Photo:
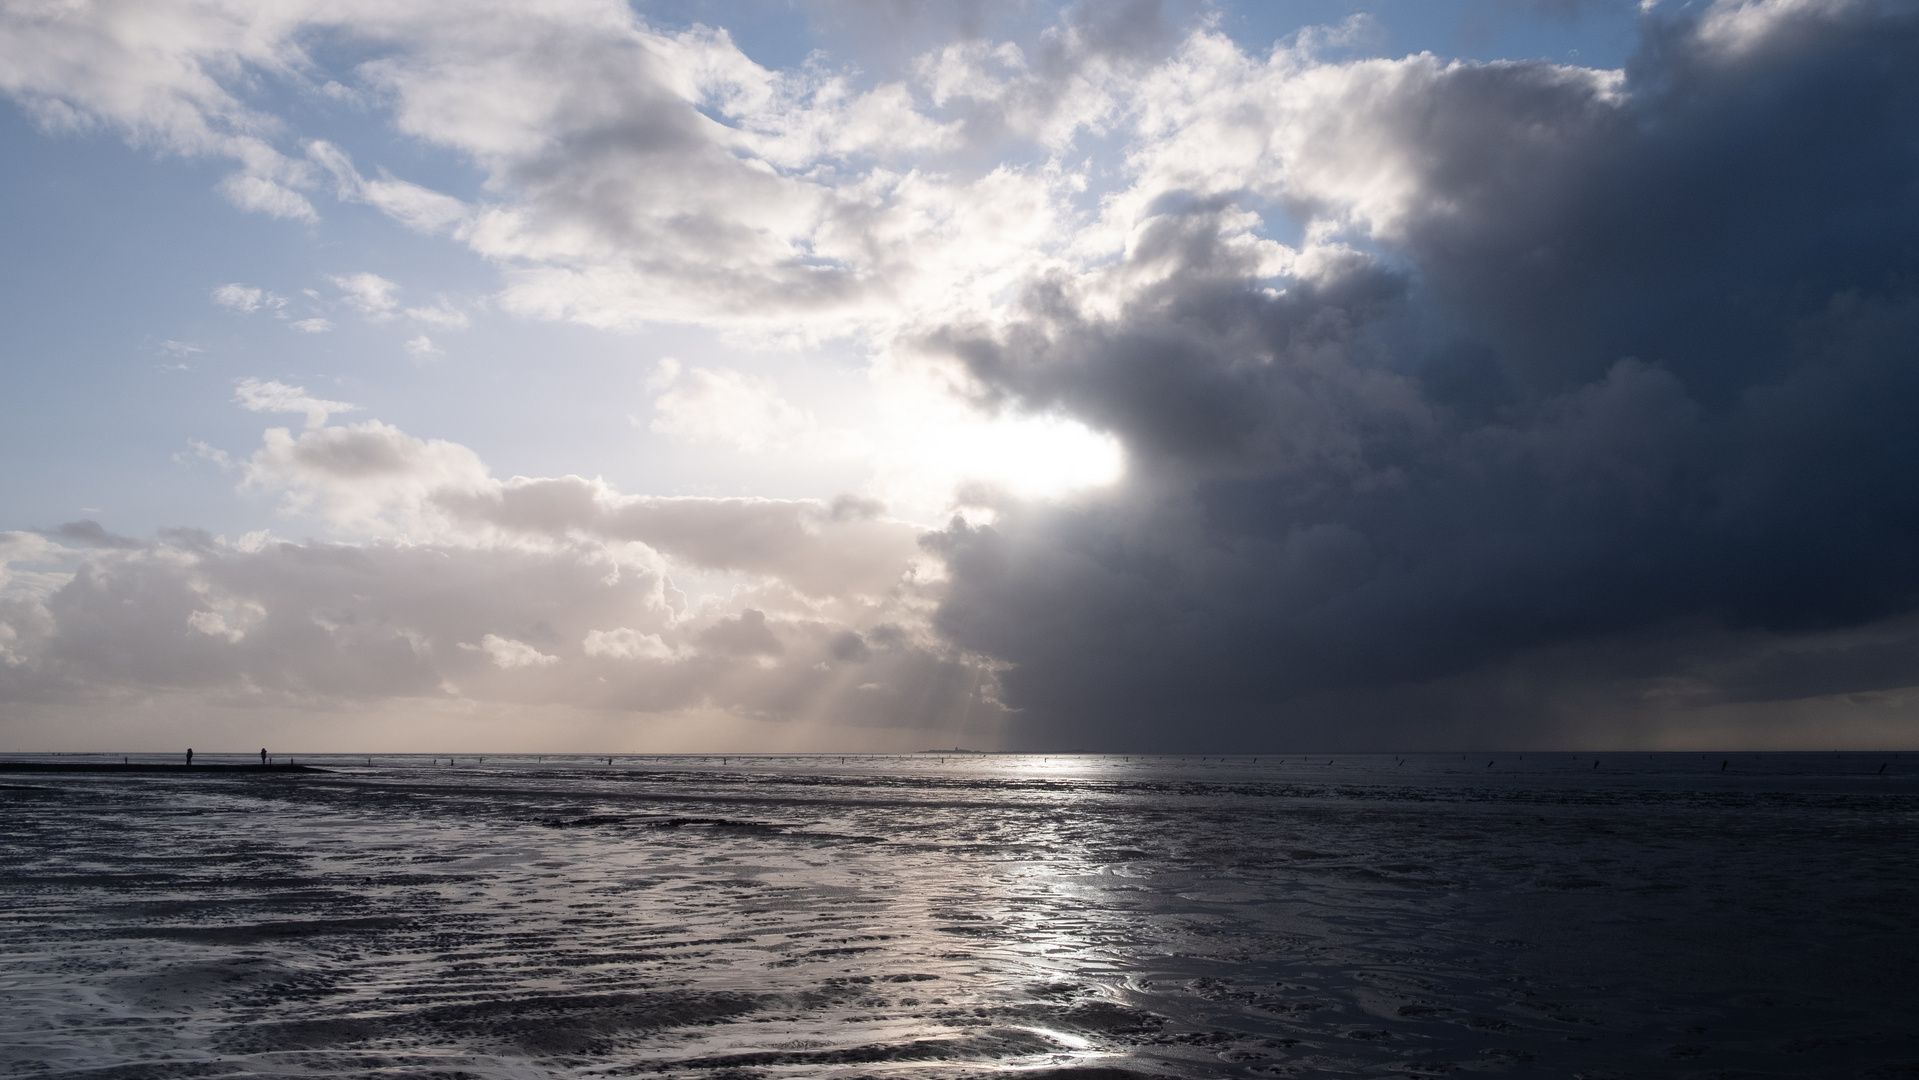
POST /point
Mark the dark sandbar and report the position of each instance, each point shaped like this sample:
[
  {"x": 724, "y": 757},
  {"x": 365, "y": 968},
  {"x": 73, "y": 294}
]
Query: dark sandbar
[{"x": 109, "y": 767}]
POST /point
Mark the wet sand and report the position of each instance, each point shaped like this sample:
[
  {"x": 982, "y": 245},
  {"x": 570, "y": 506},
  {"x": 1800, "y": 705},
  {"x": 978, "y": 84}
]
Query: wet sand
[{"x": 1661, "y": 915}]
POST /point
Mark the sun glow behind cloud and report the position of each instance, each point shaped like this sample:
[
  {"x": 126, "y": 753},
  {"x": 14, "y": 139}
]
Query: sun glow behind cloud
[
  {"x": 923, "y": 448},
  {"x": 932, "y": 451},
  {"x": 1034, "y": 457}
]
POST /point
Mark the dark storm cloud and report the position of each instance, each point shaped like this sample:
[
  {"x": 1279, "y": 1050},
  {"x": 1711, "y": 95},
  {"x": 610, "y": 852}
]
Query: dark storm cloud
[{"x": 1621, "y": 399}]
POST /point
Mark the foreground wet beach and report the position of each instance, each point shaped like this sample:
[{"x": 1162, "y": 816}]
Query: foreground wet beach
[{"x": 1659, "y": 915}]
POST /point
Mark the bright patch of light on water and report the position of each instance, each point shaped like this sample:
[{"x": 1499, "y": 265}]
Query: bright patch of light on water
[{"x": 927, "y": 917}]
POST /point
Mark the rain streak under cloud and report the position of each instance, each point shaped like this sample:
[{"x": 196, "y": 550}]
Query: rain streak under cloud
[{"x": 1122, "y": 376}]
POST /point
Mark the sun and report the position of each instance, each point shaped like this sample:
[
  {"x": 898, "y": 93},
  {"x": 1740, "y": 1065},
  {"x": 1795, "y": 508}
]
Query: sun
[
  {"x": 938, "y": 448},
  {"x": 1035, "y": 457}
]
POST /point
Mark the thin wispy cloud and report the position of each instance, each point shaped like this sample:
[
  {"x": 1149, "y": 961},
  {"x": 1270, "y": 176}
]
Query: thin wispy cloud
[
  {"x": 370, "y": 294},
  {"x": 277, "y": 397},
  {"x": 246, "y": 298}
]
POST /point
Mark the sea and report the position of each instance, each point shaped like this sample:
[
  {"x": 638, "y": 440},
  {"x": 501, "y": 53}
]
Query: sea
[{"x": 940, "y": 915}]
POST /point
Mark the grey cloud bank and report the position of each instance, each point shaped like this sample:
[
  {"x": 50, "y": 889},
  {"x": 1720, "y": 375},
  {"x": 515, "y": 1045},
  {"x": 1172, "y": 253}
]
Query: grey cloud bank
[
  {"x": 581, "y": 625},
  {"x": 1613, "y": 419}
]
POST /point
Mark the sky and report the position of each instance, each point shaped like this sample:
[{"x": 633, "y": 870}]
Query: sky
[{"x": 874, "y": 375}]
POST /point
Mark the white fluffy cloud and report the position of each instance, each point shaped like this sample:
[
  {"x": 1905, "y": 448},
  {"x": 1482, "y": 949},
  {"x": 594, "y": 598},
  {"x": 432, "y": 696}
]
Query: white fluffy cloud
[
  {"x": 646, "y": 176},
  {"x": 635, "y": 175},
  {"x": 579, "y": 625},
  {"x": 157, "y": 73},
  {"x": 553, "y": 592},
  {"x": 369, "y": 477},
  {"x": 372, "y": 479}
]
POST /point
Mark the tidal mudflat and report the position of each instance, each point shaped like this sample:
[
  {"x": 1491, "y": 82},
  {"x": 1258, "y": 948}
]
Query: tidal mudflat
[{"x": 1655, "y": 915}]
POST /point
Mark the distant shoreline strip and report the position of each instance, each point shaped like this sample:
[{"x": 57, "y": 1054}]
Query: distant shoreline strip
[{"x": 155, "y": 767}]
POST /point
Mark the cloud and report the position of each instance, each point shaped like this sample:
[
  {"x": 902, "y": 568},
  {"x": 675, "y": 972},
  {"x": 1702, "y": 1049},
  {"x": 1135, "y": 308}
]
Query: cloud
[
  {"x": 374, "y": 479},
  {"x": 277, "y": 397},
  {"x": 411, "y": 628},
  {"x": 264, "y": 196},
  {"x": 208, "y": 452},
  {"x": 440, "y": 315},
  {"x": 745, "y": 634},
  {"x": 422, "y": 347},
  {"x": 748, "y": 413},
  {"x": 728, "y": 406},
  {"x": 626, "y": 643},
  {"x": 246, "y": 298},
  {"x": 154, "y": 74},
  {"x": 1580, "y": 385},
  {"x": 93, "y": 534},
  {"x": 1077, "y": 82},
  {"x": 507, "y": 653},
  {"x": 647, "y": 177},
  {"x": 420, "y": 208},
  {"x": 370, "y": 294},
  {"x": 368, "y": 477},
  {"x": 214, "y": 624},
  {"x": 312, "y": 326}
]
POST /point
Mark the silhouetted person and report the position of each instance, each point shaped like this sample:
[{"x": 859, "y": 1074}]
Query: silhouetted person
[
  {"x": 189, "y": 757},
  {"x": 263, "y": 757}
]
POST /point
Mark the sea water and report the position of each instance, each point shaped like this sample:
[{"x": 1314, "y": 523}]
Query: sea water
[{"x": 962, "y": 915}]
